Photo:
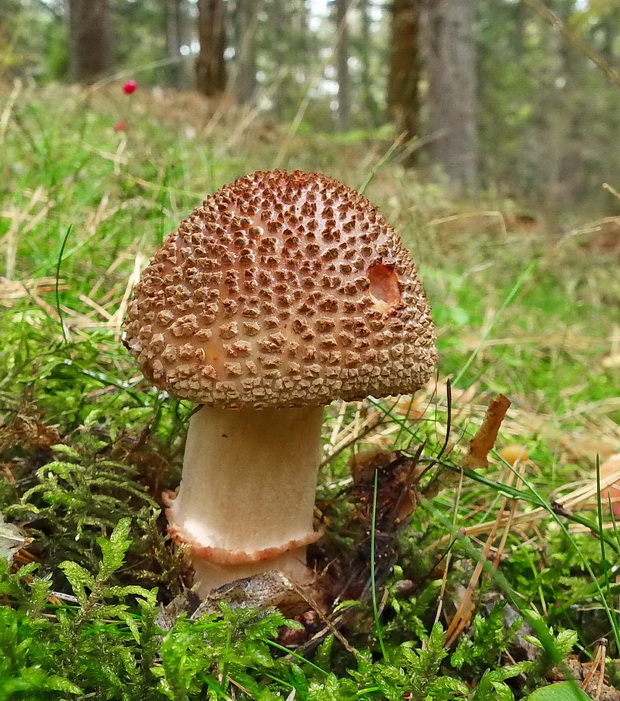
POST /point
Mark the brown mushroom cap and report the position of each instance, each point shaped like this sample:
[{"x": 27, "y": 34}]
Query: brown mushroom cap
[{"x": 281, "y": 290}]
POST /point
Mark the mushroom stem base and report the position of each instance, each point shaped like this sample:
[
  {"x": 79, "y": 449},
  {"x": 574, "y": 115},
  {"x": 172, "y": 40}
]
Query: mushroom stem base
[{"x": 209, "y": 576}]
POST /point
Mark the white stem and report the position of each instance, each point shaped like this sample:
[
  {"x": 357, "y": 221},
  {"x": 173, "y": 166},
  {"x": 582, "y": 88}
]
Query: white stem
[{"x": 247, "y": 493}]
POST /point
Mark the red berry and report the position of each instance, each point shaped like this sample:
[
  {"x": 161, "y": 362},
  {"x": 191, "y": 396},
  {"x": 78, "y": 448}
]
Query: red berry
[
  {"x": 121, "y": 126},
  {"x": 130, "y": 87}
]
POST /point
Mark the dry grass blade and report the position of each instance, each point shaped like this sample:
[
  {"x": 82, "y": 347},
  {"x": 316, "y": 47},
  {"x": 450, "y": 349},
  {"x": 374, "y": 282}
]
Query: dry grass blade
[
  {"x": 473, "y": 219},
  {"x": 572, "y": 502},
  {"x": 21, "y": 223},
  {"x": 595, "y": 678},
  {"x": 17, "y": 289},
  {"x": 97, "y": 307},
  {"x": 117, "y": 320},
  {"x": 5, "y": 119},
  {"x": 612, "y": 190},
  {"x": 352, "y": 433}
]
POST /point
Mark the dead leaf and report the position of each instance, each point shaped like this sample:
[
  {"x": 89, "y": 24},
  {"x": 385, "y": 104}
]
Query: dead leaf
[
  {"x": 483, "y": 442},
  {"x": 11, "y": 540},
  {"x": 260, "y": 591}
]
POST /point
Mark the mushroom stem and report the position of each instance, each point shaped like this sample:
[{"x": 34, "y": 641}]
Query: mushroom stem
[{"x": 246, "y": 500}]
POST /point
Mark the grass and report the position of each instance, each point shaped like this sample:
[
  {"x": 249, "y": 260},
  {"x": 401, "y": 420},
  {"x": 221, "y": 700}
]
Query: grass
[{"x": 86, "y": 446}]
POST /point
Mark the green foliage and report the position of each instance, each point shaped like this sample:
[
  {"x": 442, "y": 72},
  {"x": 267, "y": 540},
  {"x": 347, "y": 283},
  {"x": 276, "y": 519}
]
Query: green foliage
[
  {"x": 564, "y": 691},
  {"x": 236, "y": 642},
  {"x": 108, "y": 643},
  {"x": 554, "y": 648},
  {"x": 78, "y": 498},
  {"x": 409, "y": 673},
  {"x": 482, "y": 648},
  {"x": 418, "y": 672}
]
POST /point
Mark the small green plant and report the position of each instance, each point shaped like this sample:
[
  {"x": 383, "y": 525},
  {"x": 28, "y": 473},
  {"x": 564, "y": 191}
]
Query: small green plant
[
  {"x": 108, "y": 642},
  {"x": 489, "y": 638},
  {"x": 78, "y": 497}
]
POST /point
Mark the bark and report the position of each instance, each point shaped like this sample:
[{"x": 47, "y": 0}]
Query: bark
[
  {"x": 405, "y": 67},
  {"x": 451, "y": 69},
  {"x": 304, "y": 17},
  {"x": 279, "y": 30},
  {"x": 90, "y": 39},
  {"x": 342, "y": 64},
  {"x": 609, "y": 25},
  {"x": 247, "y": 22},
  {"x": 210, "y": 66},
  {"x": 173, "y": 10},
  {"x": 5, "y": 10},
  {"x": 365, "y": 53}
]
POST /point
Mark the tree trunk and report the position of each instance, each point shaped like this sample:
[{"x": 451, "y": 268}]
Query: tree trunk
[
  {"x": 609, "y": 25},
  {"x": 366, "y": 50},
  {"x": 405, "y": 68},
  {"x": 210, "y": 66},
  {"x": 5, "y": 11},
  {"x": 451, "y": 68},
  {"x": 304, "y": 18},
  {"x": 247, "y": 19},
  {"x": 90, "y": 39},
  {"x": 342, "y": 64},
  {"x": 279, "y": 30},
  {"x": 173, "y": 15}
]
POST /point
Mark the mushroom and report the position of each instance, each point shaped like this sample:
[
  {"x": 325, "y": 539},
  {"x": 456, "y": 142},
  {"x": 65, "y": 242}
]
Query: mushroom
[{"x": 279, "y": 294}]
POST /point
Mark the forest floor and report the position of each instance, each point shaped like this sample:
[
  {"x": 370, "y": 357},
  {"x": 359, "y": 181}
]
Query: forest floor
[{"x": 505, "y": 581}]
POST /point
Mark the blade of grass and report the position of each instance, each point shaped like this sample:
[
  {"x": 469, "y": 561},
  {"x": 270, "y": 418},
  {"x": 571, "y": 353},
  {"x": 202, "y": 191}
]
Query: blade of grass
[
  {"x": 599, "y": 511},
  {"x": 297, "y": 656},
  {"x": 448, "y": 419},
  {"x": 533, "y": 498},
  {"x": 394, "y": 146},
  {"x": 58, "y": 264}
]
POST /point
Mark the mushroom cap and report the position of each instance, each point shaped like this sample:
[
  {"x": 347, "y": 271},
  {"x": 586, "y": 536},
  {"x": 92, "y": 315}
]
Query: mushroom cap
[{"x": 282, "y": 289}]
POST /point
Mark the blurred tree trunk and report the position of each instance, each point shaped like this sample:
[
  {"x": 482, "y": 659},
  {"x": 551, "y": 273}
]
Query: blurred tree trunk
[
  {"x": 211, "y": 66},
  {"x": 342, "y": 63},
  {"x": 5, "y": 10},
  {"x": 90, "y": 39},
  {"x": 174, "y": 16},
  {"x": 246, "y": 24},
  {"x": 304, "y": 17},
  {"x": 278, "y": 21},
  {"x": 451, "y": 68},
  {"x": 405, "y": 68},
  {"x": 610, "y": 26},
  {"x": 366, "y": 49}
]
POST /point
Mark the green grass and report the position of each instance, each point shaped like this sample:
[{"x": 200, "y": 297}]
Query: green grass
[{"x": 86, "y": 446}]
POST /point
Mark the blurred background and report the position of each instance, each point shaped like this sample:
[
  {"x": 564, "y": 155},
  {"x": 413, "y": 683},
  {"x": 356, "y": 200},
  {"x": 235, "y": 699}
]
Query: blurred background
[{"x": 516, "y": 99}]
